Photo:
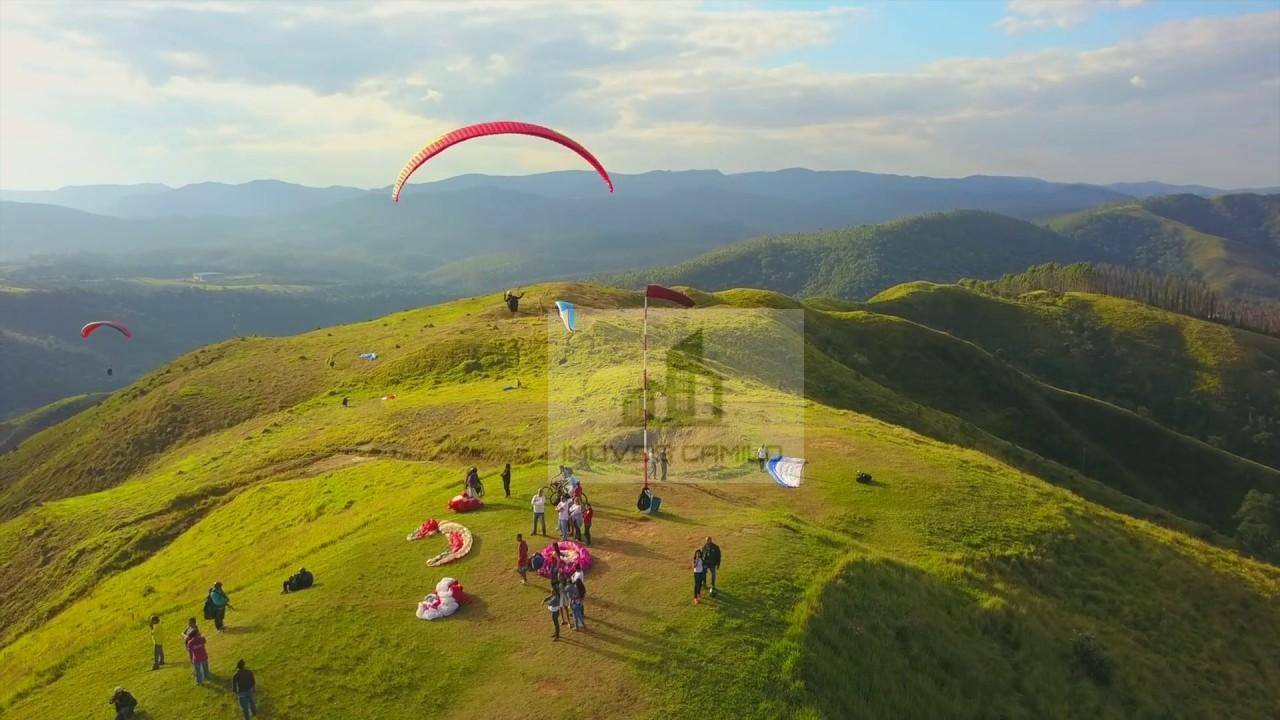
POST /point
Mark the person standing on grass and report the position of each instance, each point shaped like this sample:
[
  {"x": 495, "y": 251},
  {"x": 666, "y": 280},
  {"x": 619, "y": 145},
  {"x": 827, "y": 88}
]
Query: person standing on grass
[
  {"x": 506, "y": 479},
  {"x": 575, "y": 518},
  {"x": 552, "y": 602},
  {"x": 587, "y": 514},
  {"x": 539, "y": 504},
  {"x": 522, "y": 559},
  {"x": 242, "y": 684},
  {"x": 662, "y": 462},
  {"x": 711, "y": 559},
  {"x": 190, "y": 628},
  {"x": 575, "y": 605},
  {"x": 215, "y": 607},
  {"x": 157, "y": 657},
  {"x": 761, "y": 456},
  {"x": 199, "y": 656},
  {"x": 699, "y": 576},
  {"x": 562, "y": 516},
  {"x": 566, "y": 603}
]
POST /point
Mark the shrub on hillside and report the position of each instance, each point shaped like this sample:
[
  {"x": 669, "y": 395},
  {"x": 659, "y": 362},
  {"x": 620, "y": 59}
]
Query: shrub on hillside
[
  {"x": 1092, "y": 659},
  {"x": 1259, "y": 530}
]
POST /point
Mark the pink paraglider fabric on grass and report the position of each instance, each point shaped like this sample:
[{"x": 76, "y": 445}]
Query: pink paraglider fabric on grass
[
  {"x": 428, "y": 528},
  {"x": 465, "y": 503},
  {"x": 573, "y": 557}
]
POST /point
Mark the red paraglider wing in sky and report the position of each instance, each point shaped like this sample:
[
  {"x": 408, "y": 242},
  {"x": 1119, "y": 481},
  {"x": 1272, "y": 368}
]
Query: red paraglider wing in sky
[
  {"x": 444, "y": 142},
  {"x": 88, "y": 329}
]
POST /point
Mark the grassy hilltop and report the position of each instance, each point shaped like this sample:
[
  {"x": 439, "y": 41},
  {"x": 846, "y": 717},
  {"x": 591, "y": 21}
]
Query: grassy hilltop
[{"x": 993, "y": 570}]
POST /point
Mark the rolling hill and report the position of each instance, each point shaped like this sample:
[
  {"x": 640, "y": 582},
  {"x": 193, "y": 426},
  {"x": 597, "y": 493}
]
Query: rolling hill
[
  {"x": 1231, "y": 242},
  {"x": 860, "y": 261},
  {"x": 1216, "y": 383},
  {"x": 985, "y": 571},
  {"x": 1173, "y": 235}
]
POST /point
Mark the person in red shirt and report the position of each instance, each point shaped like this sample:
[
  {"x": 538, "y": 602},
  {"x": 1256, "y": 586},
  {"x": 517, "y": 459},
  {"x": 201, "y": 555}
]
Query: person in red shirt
[
  {"x": 522, "y": 559},
  {"x": 587, "y": 512},
  {"x": 199, "y": 656}
]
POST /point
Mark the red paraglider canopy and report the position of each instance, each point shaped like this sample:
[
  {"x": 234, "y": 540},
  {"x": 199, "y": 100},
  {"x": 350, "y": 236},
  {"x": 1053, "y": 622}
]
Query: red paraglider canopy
[
  {"x": 88, "y": 329},
  {"x": 444, "y": 142}
]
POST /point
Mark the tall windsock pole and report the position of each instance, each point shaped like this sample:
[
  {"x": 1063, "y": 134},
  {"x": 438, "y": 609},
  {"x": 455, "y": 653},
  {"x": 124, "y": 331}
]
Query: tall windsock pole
[{"x": 645, "y": 392}]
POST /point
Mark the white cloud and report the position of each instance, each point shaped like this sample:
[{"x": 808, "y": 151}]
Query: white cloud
[
  {"x": 1062, "y": 14},
  {"x": 330, "y": 94}
]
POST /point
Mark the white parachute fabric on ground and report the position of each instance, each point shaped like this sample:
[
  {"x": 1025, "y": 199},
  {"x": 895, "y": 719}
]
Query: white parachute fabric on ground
[
  {"x": 786, "y": 471},
  {"x": 440, "y": 603}
]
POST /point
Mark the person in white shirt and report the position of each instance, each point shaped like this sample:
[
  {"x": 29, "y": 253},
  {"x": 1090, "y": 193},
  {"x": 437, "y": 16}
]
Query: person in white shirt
[
  {"x": 562, "y": 514},
  {"x": 539, "y": 513},
  {"x": 575, "y": 519},
  {"x": 762, "y": 455}
]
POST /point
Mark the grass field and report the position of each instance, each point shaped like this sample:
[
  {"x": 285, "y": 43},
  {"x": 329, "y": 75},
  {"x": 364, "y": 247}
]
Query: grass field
[{"x": 955, "y": 586}]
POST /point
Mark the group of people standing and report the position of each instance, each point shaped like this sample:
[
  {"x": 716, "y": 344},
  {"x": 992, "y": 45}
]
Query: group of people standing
[
  {"x": 243, "y": 683},
  {"x": 706, "y": 561},
  {"x": 567, "y": 601}
]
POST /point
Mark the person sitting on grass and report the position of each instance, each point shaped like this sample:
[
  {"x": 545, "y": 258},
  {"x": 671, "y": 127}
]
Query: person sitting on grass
[
  {"x": 124, "y": 703},
  {"x": 300, "y": 580}
]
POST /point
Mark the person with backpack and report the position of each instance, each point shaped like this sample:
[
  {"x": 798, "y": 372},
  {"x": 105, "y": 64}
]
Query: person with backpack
[
  {"x": 522, "y": 559},
  {"x": 587, "y": 514},
  {"x": 539, "y": 504},
  {"x": 157, "y": 657},
  {"x": 242, "y": 685},
  {"x": 552, "y": 602},
  {"x": 699, "y": 576},
  {"x": 215, "y": 606},
  {"x": 124, "y": 703},
  {"x": 199, "y": 656},
  {"x": 711, "y": 559},
  {"x": 506, "y": 480}
]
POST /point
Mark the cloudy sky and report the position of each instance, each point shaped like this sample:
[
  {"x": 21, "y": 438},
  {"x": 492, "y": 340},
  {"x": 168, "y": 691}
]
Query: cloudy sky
[{"x": 343, "y": 93}]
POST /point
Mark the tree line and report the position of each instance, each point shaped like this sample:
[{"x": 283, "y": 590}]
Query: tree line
[{"x": 1180, "y": 295}]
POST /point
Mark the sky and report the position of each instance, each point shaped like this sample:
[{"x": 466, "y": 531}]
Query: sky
[{"x": 341, "y": 93}]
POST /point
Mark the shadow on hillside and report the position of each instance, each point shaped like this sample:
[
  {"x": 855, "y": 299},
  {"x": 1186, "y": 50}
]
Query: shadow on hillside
[
  {"x": 240, "y": 629},
  {"x": 887, "y": 635},
  {"x": 616, "y": 607},
  {"x": 626, "y": 547}
]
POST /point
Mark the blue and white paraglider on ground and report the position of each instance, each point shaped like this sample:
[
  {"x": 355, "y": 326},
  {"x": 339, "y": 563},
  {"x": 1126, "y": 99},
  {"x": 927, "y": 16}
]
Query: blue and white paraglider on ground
[
  {"x": 567, "y": 311},
  {"x": 786, "y": 471}
]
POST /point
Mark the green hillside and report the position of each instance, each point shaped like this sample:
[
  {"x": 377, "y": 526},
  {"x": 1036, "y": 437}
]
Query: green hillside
[
  {"x": 983, "y": 574},
  {"x": 15, "y": 430},
  {"x": 1218, "y": 384},
  {"x": 1232, "y": 242},
  {"x": 860, "y": 261}
]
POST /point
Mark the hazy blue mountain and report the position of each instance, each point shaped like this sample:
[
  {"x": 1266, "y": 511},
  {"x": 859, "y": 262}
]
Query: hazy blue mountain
[{"x": 101, "y": 199}]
